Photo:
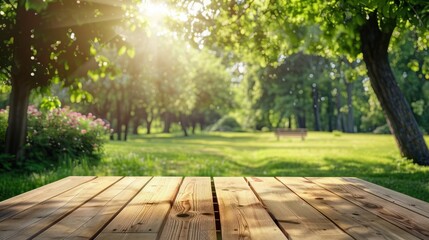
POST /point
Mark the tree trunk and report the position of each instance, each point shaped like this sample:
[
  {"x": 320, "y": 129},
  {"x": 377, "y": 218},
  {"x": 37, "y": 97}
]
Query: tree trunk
[
  {"x": 167, "y": 123},
  {"x": 148, "y": 126},
  {"x": 194, "y": 126},
  {"x": 136, "y": 125},
  {"x": 127, "y": 125},
  {"x": 330, "y": 108},
  {"x": 126, "y": 118},
  {"x": 374, "y": 44},
  {"x": 149, "y": 120},
  {"x": 17, "y": 120},
  {"x": 289, "y": 124},
  {"x": 350, "y": 116},
  {"x": 21, "y": 82},
  {"x": 316, "y": 107},
  {"x": 339, "y": 113},
  {"x": 301, "y": 120},
  {"x": 185, "y": 131},
  {"x": 119, "y": 119},
  {"x": 184, "y": 124}
]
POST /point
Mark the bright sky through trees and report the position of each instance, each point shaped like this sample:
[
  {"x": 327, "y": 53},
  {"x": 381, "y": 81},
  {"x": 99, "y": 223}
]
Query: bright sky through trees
[{"x": 155, "y": 13}]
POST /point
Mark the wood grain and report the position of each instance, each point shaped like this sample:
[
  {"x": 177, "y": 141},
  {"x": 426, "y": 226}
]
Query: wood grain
[
  {"x": 147, "y": 211},
  {"x": 17, "y": 204},
  {"x": 192, "y": 215},
  {"x": 165, "y": 208},
  {"x": 351, "y": 218},
  {"x": 38, "y": 218},
  {"x": 411, "y": 222},
  {"x": 296, "y": 217},
  {"x": 87, "y": 220},
  {"x": 242, "y": 216},
  {"x": 413, "y": 204}
]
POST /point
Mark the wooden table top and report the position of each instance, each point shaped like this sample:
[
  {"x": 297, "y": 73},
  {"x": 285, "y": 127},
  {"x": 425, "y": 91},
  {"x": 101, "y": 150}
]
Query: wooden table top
[{"x": 219, "y": 208}]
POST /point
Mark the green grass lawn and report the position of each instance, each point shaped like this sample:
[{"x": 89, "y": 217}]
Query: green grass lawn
[{"x": 371, "y": 157}]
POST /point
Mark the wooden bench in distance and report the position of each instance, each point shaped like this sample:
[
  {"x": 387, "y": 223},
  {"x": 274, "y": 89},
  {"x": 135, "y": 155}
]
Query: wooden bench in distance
[{"x": 298, "y": 132}]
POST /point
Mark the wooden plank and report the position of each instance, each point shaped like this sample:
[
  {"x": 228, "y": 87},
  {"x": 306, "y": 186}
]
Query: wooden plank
[
  {"x": 17, "y": 204},
  {"x": 192, "y": 215},
  {"x": 351, "y": 218},
  {"x": 146, "y": 212},
  {"x": 242, "y": 216},
  {"x": 413, "y": 204},
  {"x": 410, "y": 221},
  {"x": 128, "y": 236},
  {"x": 38, "y": 218},
  {"x": 296, "y": 217},
  {"x": 89, "y": 219}
]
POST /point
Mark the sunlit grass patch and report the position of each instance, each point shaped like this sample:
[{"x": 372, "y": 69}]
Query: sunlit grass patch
[{"x": 370, "y": 157}]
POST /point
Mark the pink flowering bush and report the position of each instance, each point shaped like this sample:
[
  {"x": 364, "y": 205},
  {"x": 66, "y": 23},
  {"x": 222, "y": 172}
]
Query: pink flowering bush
[{"x": 60, "y": 133}]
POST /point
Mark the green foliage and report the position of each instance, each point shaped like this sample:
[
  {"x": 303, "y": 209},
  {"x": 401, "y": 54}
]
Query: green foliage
[
  {"x": 226, "y": 124},
  {"x": 59, "y": 36},
  {"x": 409, "y": 61},
  {"x": 3, "y": 126},
  {"x": 57, "y": 134},
  {"x": 418, "y": 107},
  {"x": 169, "y": 79},
  {"x": 50, "y": 103},
  {"x": 372, "y": 113}
]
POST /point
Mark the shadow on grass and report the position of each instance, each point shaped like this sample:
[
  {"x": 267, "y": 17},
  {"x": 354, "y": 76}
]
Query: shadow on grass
[
  {"x": 205, "y": 137},
  {"x": 405, "y": 178}
]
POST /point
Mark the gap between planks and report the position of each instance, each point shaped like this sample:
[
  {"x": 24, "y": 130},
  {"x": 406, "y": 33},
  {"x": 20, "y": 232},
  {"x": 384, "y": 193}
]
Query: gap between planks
[
  {"x": 297, "y": 218},
  {"x": 192, "y": 213},
  {"x": 146, "y": 213},
  {"x": 388, "y": 195},
  {"x": 242, "y": 215}
]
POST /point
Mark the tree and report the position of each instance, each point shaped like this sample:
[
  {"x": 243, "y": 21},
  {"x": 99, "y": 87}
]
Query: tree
[
  {"x": 50, "y": 42},
  {"x": 374, "y": 44},
  {"x": 294, "y": 88},
  {"x": 213, "y": 96},
  {"x": 166, "y": 78},
  {"x": 346, "y": 27}
]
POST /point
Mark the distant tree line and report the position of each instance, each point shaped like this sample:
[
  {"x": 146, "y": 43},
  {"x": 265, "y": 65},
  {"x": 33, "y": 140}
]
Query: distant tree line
[
  {"x": 166, "y": 81},
  {"x": 323, "y": 94}
]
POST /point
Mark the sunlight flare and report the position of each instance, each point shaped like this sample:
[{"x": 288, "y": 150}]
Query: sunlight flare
[{"x": 157, "y": 12}]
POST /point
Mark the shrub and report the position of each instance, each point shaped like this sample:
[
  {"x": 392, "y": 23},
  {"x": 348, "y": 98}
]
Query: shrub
[
  {"x": 382, "y": 129},
  {"x": 58, "y": 134},
  {"x": 265, "y": 129},
  {"x": 226, "y": 124},
  {"x": 337, "y": 133}
]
